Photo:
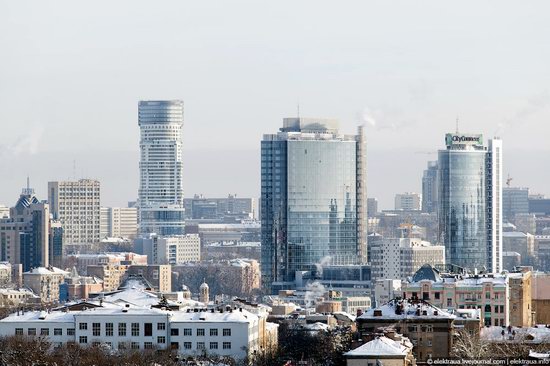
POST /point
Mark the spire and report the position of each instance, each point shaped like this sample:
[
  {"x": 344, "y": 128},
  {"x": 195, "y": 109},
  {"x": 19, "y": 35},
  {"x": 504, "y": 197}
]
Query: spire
[{"x": 457, "y": 125}]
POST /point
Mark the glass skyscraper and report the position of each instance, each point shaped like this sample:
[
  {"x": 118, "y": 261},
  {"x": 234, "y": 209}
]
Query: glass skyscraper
[
  {"x": 313, "y": 199},
  {"x": 470, "y": 202},
  {"x": 429, "y": 188},
  {"x": 161, "y": 209}
]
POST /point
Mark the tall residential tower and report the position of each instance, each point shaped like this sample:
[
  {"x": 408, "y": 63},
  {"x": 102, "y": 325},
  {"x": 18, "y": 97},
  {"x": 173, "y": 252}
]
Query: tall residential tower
[
  {"x": 313, "y": 199},
  {"x": 470, "y": 201},
  {"x": 161, "y": 209}
]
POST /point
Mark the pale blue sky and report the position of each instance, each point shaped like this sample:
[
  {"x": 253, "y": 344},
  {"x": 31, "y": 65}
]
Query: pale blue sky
[{"x": 71, "y": 74}]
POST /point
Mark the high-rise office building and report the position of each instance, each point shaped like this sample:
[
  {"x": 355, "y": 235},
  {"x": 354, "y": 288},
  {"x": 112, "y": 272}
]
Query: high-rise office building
[
  {"x": 408, "y": 201},
  {"x": 470, "y": 201},
  {"x": 313, "y": 199},
  {"x": 515, "y": 200},
  {"x": 161, "y": 208},
  {"x": 429, "y": 188},
  {"x": 76, "y": 204},
  {"x": 24, "y": 236}
]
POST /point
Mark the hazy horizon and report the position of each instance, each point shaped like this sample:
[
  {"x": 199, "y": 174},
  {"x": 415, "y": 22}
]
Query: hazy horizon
[{"x": 72, "y": 74}]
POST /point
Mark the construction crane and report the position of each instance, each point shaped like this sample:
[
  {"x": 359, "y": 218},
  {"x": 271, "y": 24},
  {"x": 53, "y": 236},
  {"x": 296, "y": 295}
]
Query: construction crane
[{"x": 508, "y": 180}]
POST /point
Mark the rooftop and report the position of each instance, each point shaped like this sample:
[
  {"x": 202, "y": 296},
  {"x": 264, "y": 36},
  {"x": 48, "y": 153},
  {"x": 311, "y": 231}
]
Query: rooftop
[
  {"x": 382, "y": 346},
  {"x": 406, "y": 309}
]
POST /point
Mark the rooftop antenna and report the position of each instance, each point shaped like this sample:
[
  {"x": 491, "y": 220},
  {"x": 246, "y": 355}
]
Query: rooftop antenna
[
  {"x": 74, "y": 169},
  {"x": 28, "y": 182}
]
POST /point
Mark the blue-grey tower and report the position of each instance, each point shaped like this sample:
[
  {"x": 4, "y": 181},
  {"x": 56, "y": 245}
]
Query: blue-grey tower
[
  {"x": 470, "y": 201},
  {"x": 313, "y": 199},
  {"x": 161, "y": 209}
]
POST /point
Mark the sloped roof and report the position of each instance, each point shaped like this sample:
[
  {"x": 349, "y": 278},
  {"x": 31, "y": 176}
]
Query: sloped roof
[
  {"x": 380, "y": 346},
  {"x": 427, "y": 272}
]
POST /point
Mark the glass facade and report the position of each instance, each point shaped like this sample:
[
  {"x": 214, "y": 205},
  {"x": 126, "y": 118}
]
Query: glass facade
[
  {"x": 312, "y": 203},
  {"x": 462, "y": 204},
  {"x": 514, "y": 201}
]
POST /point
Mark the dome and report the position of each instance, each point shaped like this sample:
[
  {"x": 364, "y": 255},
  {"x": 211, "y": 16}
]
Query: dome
[
  {"x": 426, "y": 272},
  {"x": 204, "y": 286}
]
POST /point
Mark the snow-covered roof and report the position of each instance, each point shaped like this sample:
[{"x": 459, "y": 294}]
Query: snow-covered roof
[
  {"x": 530, "y": 335},
  {"x": 539, "y": 355},
  {"x": 134, "y": 296},
  {"x": 39, "y": 316},
  {"x": 513, "y": 234},
  {"x": 406, "y": 309},
  {"x": 381, "y": 346},
  {"x": 235, "y": 316},
  {"x": 21, "y": 291},
  {"x": 47, "y": 271}
]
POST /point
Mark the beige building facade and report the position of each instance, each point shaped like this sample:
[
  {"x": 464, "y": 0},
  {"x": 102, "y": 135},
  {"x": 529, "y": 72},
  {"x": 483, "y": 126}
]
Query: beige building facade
[{"x": 76, "y": 204}]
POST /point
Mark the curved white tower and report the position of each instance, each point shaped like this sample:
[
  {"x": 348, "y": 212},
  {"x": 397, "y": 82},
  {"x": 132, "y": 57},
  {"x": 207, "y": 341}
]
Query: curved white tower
[{"x": 161, "y": 167}]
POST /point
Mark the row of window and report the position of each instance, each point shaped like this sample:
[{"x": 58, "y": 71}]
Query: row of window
[
  {"x": 122, "y": 330},
  {"x": 148, "y": 330},
  {"x": 44, "y": 331}
]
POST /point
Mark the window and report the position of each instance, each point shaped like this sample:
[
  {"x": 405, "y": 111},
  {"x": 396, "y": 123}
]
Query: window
[
  {"x": 148, "y": 329},
  {"x": 161, "y": 339},
  {"x": 134, "y": 345},
  {"x": 449, "y": 302},
  {"x": 121, "y": 345},
  {"x": 200, "y": 332},
  {"x": 95, "y": 344},
  {"x": 429, "y": 328},
  {"x": 18, "y": 331},
  {"x": 187, "y": 332},
  {"x": 436, "y": 294},
  {"x": 226, "y": 345},
  {"x": 213, "y": 332},
  {"x": 148, "y": 345},
  {"x": 70, "y": 331},
  {"x": 83, "y": 326},
  {"x": 227, "y": 332},
  {"x": 174, "y": 345},
  {"x": 201, "y": 345},
  {"x": 96, "y": 329},
  {"x": 213, "y": 345},
  {"x": 429, "y": 343},
  {"x": 57, "y": 331},
  {"x": 187, "y": 345},
  {"x": 122, "y": 329},
  {"x": 175, "y": 332},
  {"x": 83, "y": 339},
  {"x": 45, "y": 332},
  {"x": 161, "y": 326},
  {"x": 135, "y": 329},
  {"x": 109, "y": 329}
]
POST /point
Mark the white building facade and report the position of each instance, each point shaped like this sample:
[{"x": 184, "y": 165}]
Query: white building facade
[
  {"x": 161, "y": 208},
  {"x": 399, "y": 258},
  {"x": 226, "y": 332}
]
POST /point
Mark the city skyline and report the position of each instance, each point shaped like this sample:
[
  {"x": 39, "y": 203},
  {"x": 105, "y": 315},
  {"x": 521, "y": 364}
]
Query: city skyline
[{"x": 405, "y": 81}]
